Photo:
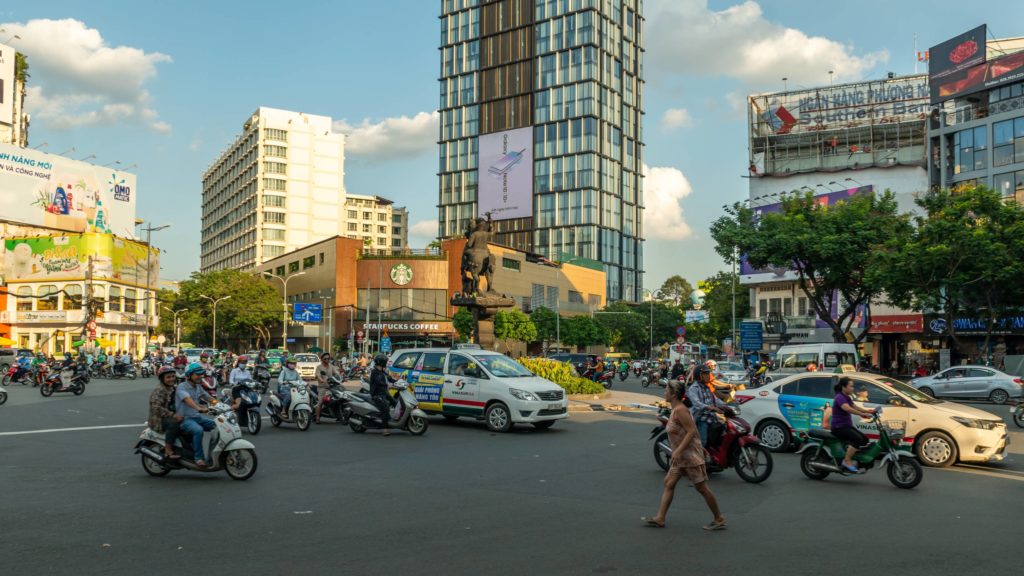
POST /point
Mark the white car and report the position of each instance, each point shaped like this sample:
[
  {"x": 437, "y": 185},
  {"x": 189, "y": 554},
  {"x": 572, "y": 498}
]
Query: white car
[
  {"x": 305, "y": 365},
  {"x": 940, "y": 433},
  {"x": 468, "y": 381},
  {"x": 732, "y": 372}
]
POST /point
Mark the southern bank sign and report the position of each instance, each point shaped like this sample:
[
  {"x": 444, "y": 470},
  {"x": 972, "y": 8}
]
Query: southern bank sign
[{"x": 964, "y": 325}]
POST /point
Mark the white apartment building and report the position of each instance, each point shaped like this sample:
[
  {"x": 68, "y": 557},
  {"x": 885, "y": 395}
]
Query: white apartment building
[
  {"x": 382, "y": 226},
  {"x": 278, "y": 187}
]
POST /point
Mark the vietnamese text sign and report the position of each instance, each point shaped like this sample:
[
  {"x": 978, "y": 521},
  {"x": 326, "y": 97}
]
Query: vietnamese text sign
[
  {"x": 307, "y": 312},
  {"x": 506, "y": 174},
  {"x": 751, "y": 335}
]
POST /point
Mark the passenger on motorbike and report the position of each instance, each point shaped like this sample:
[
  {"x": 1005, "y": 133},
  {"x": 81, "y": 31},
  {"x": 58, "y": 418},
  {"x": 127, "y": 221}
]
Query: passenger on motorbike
[
  {"x": 842, "y": 426},
  {"x": 324, "y": 372},
  {"x": 211, "y": 383},
  {"x": 705, "y": 406},
  {"x": 239, "y": 373},
  {"x": 162, "y": 416},
  {"x": 24, "y": 365},
  {"x": 379, "y": 382},
  {"x": 284, "y": 379},
  {"x": 187, "y": 405}
]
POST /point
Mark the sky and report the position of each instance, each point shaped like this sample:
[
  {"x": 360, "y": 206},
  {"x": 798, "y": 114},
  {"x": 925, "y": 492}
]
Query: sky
[{"x": 167, "y": 86}]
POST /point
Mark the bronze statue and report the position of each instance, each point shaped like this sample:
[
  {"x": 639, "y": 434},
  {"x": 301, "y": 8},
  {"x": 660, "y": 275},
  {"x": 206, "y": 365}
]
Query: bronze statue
[{"x": 476, "y": 258}]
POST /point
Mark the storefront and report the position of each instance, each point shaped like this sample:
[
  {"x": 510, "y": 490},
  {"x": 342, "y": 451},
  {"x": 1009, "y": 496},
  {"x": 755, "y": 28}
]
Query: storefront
[
  {"x": 898, "y": 337},
  {"x": 1006, "y": 338}
]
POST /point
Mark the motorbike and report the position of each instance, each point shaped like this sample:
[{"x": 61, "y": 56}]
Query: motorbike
[
  {"x": 622, "y": 375},
  {"x": 179, "y": 373},
  {"x": 638, "y": 371},
  {"x": 71, "y": 379},
  {"x": 822, "y": 454},
  {"x": 122, "y": 370},
  {"x": 225, "y": 449},
  {"x": 355, "y": 372},
  {"x": 3, "y": 395},
  {"x": 361, "y": 414},
  {"x": 738, "y": 448},
  {"x": 1017, "y": 411},
  {"x": 146, "y": 369},
  {"x": 333, "y": 400},
  {"x": 299, "y": 410},
  {"x": 251, "y": 402},
  {"x": 9, "y": 378},
  {"x": 262, "y": 376}
]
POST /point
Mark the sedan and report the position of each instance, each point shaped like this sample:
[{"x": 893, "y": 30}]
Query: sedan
[
  {"x": 732, "y": 372},
  {"x": 305, "y": 365},
  {"x": 963, "y": 382}
]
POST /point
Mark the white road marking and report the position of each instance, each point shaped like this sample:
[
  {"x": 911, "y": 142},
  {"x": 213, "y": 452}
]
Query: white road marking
[{"x": 52, "y": 430}]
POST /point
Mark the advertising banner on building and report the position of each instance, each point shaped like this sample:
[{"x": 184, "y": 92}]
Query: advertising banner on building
[
  {"x": 61, "y": 258},
  {"x": 506, "y": 174},
  {"x": 958, "y": 53},
  {"x": 897, "y": 324},
  {"x": 6, "y": 84},
  {"x": 42, "y": 189},
  {"x": 985, "y": 76}
]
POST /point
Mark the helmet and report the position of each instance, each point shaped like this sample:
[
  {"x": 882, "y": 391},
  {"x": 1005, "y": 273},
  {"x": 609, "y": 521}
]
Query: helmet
[
  {"x": 243, "y": 359},
  {"x": 67, "y": 354},
  {"x": 712, "y": 365},
  {"x": 194, "y": 368},
  {"x": 289, "y": 360},
  {"x": 164, "y": 370},
  {"x": 380, "y": 360},
  {"x": 705, "y": 369},
  {"x": 204, "y": 355}
]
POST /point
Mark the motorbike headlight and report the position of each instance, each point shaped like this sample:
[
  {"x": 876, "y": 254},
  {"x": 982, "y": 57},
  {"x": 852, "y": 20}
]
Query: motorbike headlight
[
  {"x": 976, "y": 423},
  {"x": 232, "y": 419},
  {"x": 523, "y": 395}
]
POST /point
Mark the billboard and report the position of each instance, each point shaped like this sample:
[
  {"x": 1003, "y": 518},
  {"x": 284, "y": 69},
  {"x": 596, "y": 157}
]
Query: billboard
[
  {"x": 506, "y": 174},
  {"x": 60, "y": 258},
  {"x": 752, "y": 275},
  {"x": 42, "y": 189},
  {"x": 958, "y": 53},
  {"x": 887, "y": 101},
  {"x": 6, "y": 84},
  {"x": 992, "y": 74}
]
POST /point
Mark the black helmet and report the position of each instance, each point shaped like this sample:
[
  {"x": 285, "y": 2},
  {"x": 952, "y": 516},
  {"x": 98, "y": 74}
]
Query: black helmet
[
  {"x": 704, "y": 369},
  {"x": 380, "y": 360}
]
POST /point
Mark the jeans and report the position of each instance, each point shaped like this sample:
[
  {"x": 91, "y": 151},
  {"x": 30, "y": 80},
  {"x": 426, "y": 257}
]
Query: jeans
[
  {"x": 702, "y": 430},
  {"x": 195, "y": 426},
  {"x": 172, "y": 429},
  {"x": 286, "y": 400},
  {"x": 383, "y": 403}
]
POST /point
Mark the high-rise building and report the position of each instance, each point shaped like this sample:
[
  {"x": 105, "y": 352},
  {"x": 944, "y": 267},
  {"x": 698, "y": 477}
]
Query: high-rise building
[
  {"x": 382, "y": 226},
  {"x": 278, "y": 187},
  {"x": 541, "y": 111},
  {"x": 13, "y": 86}
]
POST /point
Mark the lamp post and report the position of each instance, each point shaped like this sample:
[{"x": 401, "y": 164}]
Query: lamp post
[
  {"x": 149, "y": 265},
  {"x": 177, "y": 327},
  {"x": 284, "y": 301},
  {"x": 215, "y": 301}
]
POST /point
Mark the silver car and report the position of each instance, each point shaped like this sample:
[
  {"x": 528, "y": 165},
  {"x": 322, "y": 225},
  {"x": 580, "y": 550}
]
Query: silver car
[
  {"x": 971, "y": 382},
  {"x": 732, "y": 372}
]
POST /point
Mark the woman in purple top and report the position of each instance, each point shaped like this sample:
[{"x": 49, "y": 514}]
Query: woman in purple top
[{"x": 843, "y": 410}]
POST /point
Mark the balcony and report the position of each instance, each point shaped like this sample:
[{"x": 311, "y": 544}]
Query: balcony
[{"x": 406, "y": 253}]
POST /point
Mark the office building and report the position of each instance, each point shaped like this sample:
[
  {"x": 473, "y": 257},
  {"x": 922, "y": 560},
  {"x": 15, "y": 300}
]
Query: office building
[
  {"x": 13, "y": 86},
  {"x": 541, "y": 111},
  {"x": 377, "y": 222}
]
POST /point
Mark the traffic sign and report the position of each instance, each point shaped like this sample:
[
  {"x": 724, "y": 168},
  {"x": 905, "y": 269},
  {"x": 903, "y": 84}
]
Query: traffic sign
[
  {"x": 307, "y": 312},
  {"x": 751, "y": 335},
  {"x": 681, "y": 331},
  {"x": 359, "y": 336},
  {"x": 680, "y": 339},
  {"x": 92, "y": 325},
  {"x": 385, "y": 344}
]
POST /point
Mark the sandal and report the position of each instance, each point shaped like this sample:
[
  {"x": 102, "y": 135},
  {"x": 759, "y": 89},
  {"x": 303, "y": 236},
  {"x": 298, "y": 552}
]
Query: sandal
[
  {"x": 651, "y": 522},
  {"x": 715, "y": 525},
  {"x": 201, "y": 463},
  {"x": 386, "y": 433}
]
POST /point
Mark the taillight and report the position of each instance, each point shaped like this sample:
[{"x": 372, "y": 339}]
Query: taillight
[
  {"x": 1019, "y": 381},
  {"x": 743, "y": 398}
]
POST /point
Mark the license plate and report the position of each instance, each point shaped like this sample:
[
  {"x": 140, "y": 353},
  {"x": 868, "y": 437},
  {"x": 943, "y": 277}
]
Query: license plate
[{"x": 554, "y": 406}]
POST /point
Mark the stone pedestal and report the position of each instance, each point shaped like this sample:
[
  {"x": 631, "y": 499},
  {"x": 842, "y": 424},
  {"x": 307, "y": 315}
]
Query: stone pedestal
[{"x": 483, "y": 309}]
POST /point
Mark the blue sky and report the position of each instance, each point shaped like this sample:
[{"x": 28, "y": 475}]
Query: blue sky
[{"x": 168, "y": 85}]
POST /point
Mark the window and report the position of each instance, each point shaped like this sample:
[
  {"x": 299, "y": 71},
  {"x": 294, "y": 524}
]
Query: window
[
  {"x": 353, "y": 214},
  {"x": 275, "y": 134},
  {"x": 271, "y": 251},
  {"x": 575, "y": 297},
  {"x": 308, "y": 262},
  {"x": 353, "y": 227},
  {"x": 816, "y": 387},
  {"x": 366, "y": 215},
  {"x": 1008, "y": 142},
  {"x": 406, "y": 361},
  {"x": 790, "y": 389},
  {"x": 275, "y": 168},
  {"x": 72, "y": 297},
  {"x": 510, "y": 264},
  {"x": 275, "y": 151},
  {"x": 366, "y": 227},
  {"x": 321, "y": 258},
  {"x": 875, "y": 394},
  {"x": 396, "y": 219},
  {"x": 381, "y": 241},
  {"x": 970, "y": 150},
  {"x": 396, "y": 243},
  {"x": 593, "y": 300},
  {"x": 457, "y": 364},
  {"x": 279, "y": 271},
  {"x": 48, "y": 297},
  {"x": 799, "y": 359},
  {"x": 382, "y": 217},
  {"x": 802, "y": 306},
  {"x": 274, "y": 217},
  {"x": 275, "y": 201},
  {"x": 762, "y": 307},
  {"x": 114, "y": 301},
  {"x": 25, "y": 299},
  {"x": 129, "y": 300},
  {"x": 981, "y": 373},
  {"x": 382, "y": 229},
  {"x": 273, "y": 234},
  {"x": 787, "y": 307},
  {"x": 274, "y": 184},
  {"x": 396, "y": 231},
  {"x": 432, "y": 362},
  {"x": 293, "y": 266}
]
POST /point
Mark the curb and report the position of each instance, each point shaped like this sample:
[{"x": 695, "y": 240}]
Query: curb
[{"x": 602, "y": 408}]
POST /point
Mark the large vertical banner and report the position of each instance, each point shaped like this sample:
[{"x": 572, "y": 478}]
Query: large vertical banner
[
  {"x": 6, "y": 84},
  {"x": 506, "y": 174}
]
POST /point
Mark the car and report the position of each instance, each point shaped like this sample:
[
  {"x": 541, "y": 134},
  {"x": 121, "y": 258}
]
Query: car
[
  {"x": 480, "y": 384},
  {"x": 732, "y": 372},
  {"x": 794, "y": 358},
  {"x": 306, "y": 364},
  {"x": 964, "y": 382},
  {"x": 274, "y": 358},
  {"x": 9, "y": 356},
  {"x": 579, "y": 361},
  {"x": 940, "y": 433},
  {"x": 192, "y": 354}
]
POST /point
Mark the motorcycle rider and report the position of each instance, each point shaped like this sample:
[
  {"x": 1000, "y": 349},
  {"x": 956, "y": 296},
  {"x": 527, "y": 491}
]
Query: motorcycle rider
[
  {"x": 287, "y": 375},
  {"x": 209, "y": 380},
  {"x": 162, "y": 417},
  {"x": 24, "y": 365},
  {"x": 239, "y": 372},
  {"x": 842, "y": 426},
  {"x": 598, "y": 369},
  {"x": 187, "y": 405},
  {"x": 324, "y": 371},
  {"x": 677, "y": 369},
  {"x": 624, "y": 367},
  {"x": 379, "y": 382},
  {"x": 180, "y": 359},
  {"x": 705, "y": 405}
]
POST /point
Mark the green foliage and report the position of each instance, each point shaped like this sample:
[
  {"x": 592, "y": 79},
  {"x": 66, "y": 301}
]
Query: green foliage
[
  {"x": 563, "y": 374},
  {"x": 630, "y": 326},
  {"x": 718, "y": 304},
  {"x": 677, "y": 289},
  {"x": 514, "y": 326},
  {"x": 546, "y": 321},
  {"x": 463, "y": 323},
  {"x": 582, "y": 331},
  {"x": 246, "y": 318},
  {"x": 21, "y": 67}
]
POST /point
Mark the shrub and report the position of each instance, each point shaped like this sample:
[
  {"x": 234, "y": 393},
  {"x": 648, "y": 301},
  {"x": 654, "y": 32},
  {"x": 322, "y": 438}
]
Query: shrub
[{"x": 563, "y": 374}]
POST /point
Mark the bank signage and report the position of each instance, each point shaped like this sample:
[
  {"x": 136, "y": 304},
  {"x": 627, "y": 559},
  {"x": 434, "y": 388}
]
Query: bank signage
[{"x": 977, "y": 326}]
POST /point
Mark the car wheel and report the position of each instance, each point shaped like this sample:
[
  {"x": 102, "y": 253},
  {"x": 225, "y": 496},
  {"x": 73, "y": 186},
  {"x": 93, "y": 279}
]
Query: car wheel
[
  {"x": 936, "y": 449},
  {"x": 927, "y": 390},
  {"x": 774, "y": 435},
  {"x": 999, "y": 396},
  {"x": 498, "y": 417}
]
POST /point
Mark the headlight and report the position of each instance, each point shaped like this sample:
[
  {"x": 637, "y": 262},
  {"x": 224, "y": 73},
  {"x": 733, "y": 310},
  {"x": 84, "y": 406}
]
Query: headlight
[
  {"x": 523, "y": 395},
  {"x": 975, "y": 423}
]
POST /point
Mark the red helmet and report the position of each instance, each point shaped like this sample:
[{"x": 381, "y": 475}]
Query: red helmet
[
  {"x": 203, "y": 356},
  {"x": 242, "y": 359},
  {"x": 164, "y": 370}
]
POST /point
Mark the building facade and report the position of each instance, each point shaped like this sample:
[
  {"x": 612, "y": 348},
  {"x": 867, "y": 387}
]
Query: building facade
[
  {"x": 377, "y": 222},
  {"x": 278, "y": 187},
  {"x": 13, "y": 86},
  {"x": 541, "y": 127}
]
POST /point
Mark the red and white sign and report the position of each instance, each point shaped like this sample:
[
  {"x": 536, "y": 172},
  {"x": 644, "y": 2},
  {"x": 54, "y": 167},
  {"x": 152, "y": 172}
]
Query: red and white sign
[
  {"x": 92, "y": 325},
  {"x": 897, "y": 324},
  {"x": 92, "y": 333},
  {"x": 680, "y": 340}
]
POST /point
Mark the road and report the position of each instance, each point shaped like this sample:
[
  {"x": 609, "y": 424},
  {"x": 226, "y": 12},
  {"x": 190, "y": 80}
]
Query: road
[{"x": 461, "y": 500}]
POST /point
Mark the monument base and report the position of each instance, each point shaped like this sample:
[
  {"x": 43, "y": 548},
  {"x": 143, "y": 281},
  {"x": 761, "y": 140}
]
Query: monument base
[{"x": 483, "y": 308}]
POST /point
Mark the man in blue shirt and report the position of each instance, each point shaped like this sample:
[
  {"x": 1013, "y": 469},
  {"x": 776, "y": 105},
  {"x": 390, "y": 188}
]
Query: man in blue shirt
[{"x": 187, "y": 405}]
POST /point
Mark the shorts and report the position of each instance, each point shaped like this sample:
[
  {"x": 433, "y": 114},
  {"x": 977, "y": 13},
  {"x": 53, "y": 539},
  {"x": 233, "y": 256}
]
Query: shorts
[
  {"x": 851, "y": 436},
  {"x": 696, "y": 474}
]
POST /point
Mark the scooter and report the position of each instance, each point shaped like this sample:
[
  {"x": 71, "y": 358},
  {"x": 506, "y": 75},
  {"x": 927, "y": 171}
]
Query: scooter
[
  {"x": 71, "y": 379},
  {"x": 333, "y": 400},
  {"x": 622, "y": 375},
  {"x": 360, "y": 413},
  {"x": 1017, "y": 411},
  {"x": 146, "y": 369},
  {"x": 262, "y": 376},
  {"x": 252, "y": 400},
  {"x": 25, "y": 379},
  {"x": 299, "y": 410},
  {"x": 121, "y": 370},
  {"x": 823, "y": 455},
  {"x": 738, "y": 448},
  {"x": 224, "y": 447},
  {"x": 649, "y": 377},
  {"x": 3, "y": 395}
]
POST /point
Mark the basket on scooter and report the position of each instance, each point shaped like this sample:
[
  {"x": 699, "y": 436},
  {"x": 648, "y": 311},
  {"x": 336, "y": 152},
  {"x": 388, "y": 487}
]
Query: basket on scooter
[{"x": 896, "y": 429}]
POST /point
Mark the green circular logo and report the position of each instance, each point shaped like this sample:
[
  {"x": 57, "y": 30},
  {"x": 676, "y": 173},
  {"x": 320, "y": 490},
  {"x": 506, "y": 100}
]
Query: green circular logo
[{"x": 401, "y": 274}]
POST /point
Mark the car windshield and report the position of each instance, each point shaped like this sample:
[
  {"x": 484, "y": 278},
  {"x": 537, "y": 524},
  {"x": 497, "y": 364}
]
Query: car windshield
[
  {"x": 306, "y": 358},
  {"x": 274, "y": 354},
  {"x": 503, "y": 366},
  {"x": 908, "y": 391},
  {"x": 730, "y": 367},
  {"x": 192, "y": 352}
]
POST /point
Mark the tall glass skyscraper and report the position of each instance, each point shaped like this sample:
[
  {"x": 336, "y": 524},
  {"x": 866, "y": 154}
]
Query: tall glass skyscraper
[{"x": 541, "y": 126}]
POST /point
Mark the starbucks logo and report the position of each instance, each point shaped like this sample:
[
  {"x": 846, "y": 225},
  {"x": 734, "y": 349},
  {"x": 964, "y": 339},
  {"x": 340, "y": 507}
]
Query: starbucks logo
[{"x": 401, "y": 274}]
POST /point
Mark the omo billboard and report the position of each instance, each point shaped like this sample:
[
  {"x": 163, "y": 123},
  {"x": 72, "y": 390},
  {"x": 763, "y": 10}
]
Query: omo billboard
[
  {"x": 506, "y": 174},
  {"x": 42, "y": 189}
]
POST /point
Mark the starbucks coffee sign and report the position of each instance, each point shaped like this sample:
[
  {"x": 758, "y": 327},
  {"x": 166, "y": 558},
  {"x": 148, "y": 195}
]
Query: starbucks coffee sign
[{"x": 401, "y": 274}]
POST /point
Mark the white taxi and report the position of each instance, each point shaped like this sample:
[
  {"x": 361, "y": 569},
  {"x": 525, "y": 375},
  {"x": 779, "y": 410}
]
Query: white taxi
[
  {"x": 940, "y": 433},
  {"x": 305, "y": 365}
]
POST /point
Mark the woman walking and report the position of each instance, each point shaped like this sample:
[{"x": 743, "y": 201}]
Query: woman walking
[{"x": 687, "y": 460}]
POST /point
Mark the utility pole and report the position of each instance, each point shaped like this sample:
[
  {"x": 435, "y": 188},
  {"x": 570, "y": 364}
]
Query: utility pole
[
  {"x": 215, "y": 301},
  {"x": 149, "y": 265},
  {"x": 734, "y": 302},
  {"x": 366, "y": 340},
  {"x": 177, "y": 323}
]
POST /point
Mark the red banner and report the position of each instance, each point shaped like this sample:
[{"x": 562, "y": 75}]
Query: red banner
[{"x": 913, "y": 323}]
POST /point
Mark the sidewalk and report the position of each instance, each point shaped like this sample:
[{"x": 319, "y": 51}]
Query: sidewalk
[{"x": 610, "y": 401}]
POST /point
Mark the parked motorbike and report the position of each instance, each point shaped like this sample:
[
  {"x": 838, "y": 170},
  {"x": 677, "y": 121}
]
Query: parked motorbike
[
  {"x": 12, "y": 377},
  {"x": 299, "y": 410},
  {"x": 360, "y": 412},
  {"x": 333, "y": 400},
  {"x": 71, "y": 379},
  {"x": 224, "y": 446},
  {"x": 738, "y": 448},
  {"x": 823, "y": 453}
]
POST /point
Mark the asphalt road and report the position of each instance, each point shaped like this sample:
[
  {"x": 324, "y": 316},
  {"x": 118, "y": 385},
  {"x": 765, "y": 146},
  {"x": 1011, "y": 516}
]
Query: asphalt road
[{"x": 460, "y": 500}]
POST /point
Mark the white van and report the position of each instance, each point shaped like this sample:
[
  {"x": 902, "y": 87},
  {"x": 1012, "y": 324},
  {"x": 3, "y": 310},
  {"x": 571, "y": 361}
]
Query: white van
[{"x": 794, "y": 359}]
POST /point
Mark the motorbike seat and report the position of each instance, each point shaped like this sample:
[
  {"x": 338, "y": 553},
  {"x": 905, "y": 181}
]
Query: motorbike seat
[
  {"x": 363, "y": 396},
  {"x": 820, "y": 433}
]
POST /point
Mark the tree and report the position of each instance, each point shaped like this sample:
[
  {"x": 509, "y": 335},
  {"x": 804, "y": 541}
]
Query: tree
[
  {"x": 583, "y": 331},
  {"x": 718, "y": 291},
  {"x": 463, "y": 323},
  {"x": 546, "y": 321},
  {"x": 677, "y": 289},
  {"x": 838, "y": 251},
  {"x": 254, "y": 307},
  {"x": 514, "y": 326}
]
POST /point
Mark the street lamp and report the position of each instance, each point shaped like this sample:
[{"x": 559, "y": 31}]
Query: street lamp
[
  {"x": 177, "y": 327},
  {"x": 284, "y": 300},
  {"x": 89, "y": 157},
  {"x": 149, "y": 264},
  {"x": 41, "y": 146},
  {"x": 215, "y": 301}
]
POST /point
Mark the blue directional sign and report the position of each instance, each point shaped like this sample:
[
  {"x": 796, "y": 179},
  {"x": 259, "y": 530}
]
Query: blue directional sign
[
  {"x": 307, "y": 312},
  {"x": 385, "y": 344},
  {"x": 751, "y": 335}
]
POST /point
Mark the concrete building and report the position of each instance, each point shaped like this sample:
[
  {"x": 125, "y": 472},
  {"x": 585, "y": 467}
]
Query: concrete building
[
  {"x": 541, "y": 112},
  {"x": 278, "y": 187},
  {"x": 377, "y": 222},
  {"x": 13, "y": 76}
]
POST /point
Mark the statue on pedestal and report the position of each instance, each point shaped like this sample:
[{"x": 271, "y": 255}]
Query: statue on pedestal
[{"x": 477, "y": 260}]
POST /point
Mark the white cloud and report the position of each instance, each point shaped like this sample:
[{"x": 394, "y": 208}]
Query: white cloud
[
  {"x": 675, "y": 118},
  {"x": 77, "y": 79},
  {"x": 391, "y": 138},
  {"x": 664, "y": 190},
  {"x": 686, "y": 37},
  {"x": 422, "y": 233}
]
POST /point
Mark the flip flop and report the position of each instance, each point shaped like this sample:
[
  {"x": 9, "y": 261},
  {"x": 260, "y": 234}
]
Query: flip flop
[
  {"x": 172, "y": 456},
  {"x": 200, "y": 463},
  {"x": 651, "y": 522},
  {"x": 851, "y": 469},
  {"x": 386, "y": 433},
  {"x": 715, "y": 525}
]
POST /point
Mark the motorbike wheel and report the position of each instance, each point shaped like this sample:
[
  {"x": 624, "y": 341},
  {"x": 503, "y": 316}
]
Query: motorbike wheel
[
  {"x": 152, "y": 467},
  {"x": 274, "y": 420},
  {"x": 356, "y": 427},
  {"x": 607, "y": 384},
  {"x": 645, "y": 382},
  {"x": 6, "y": 381},
  {"x": 79, "y": 390},
  {"x": 813, "y": 473},
  {"x": 1018, "y": 418},
  {"x": 753, "y": 463},
  {"x": 417, "y": 425},
  {"x": 255, "y": 422},
  {"x": 302, "y": 419},
  {"x": 132, "y": 376},
  {"x": 905, "y": 473},
  {"x": 240, "y": 464},
  {"x": 3, "y": 397},
  {"x": 46, "y": 390},
  {"x": 662, "y": 451}
]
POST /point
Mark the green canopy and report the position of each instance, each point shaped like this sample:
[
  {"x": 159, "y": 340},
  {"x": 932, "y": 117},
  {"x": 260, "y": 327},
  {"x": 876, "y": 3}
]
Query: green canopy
[
  {"x": 78, "y": 343},
  {"x": 316, "y": 349}
]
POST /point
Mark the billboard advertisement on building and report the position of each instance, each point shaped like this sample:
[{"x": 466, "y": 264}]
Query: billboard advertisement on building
[
  {"x": 752, "y": 275},
  {"x": 6, "y": 84},
  {"x": 987, "y": 75},
  {"x": 62, "y": 258},
  {"x": 506, "y": 174},
  {"x": 42, "y": 189},
  {"x": 887, "y": 101},
  {"x": 958, "y": 53}
]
